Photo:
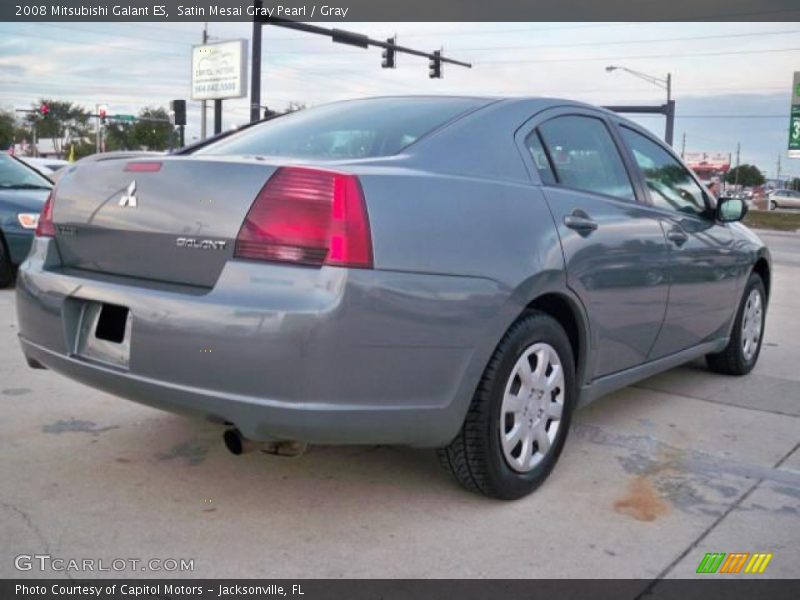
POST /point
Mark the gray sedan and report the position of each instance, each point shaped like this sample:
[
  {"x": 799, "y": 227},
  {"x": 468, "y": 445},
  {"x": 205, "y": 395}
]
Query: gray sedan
[{"x": 448, "y": 272}]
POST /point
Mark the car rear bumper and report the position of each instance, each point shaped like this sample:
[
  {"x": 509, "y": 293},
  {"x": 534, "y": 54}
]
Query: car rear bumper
[{"x": 318, "y": 355}]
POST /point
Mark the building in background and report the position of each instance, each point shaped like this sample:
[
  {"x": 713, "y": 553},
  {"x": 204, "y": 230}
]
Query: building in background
[{"x": 45, "y": 148}]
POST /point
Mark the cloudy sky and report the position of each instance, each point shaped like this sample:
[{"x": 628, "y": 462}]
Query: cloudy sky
[{"x": 731, "y": 81}]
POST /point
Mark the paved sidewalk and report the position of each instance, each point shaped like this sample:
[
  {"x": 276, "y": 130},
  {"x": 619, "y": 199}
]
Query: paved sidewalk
[{"x": 652, "y": 478}]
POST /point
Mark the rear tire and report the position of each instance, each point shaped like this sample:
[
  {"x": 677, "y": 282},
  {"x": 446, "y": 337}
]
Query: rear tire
[
  {"x": 530, "y": 409},
  {"x": 6, "y": 268},
  {"x": 773, "y": 205},
  {"x": 741, "y": 354}
]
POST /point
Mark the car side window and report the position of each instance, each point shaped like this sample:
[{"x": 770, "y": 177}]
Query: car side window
[
  {"x": 668, "y": 182},
  {"x": 539, "y": 156},
  {"x": 585, "y": 157}
]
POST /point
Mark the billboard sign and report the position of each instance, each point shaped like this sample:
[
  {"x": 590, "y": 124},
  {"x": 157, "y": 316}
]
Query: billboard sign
[
  {"x": 794, "y": 118},
  {"x": 219, "y": 70},
  {"x": 711, "y": 161}
]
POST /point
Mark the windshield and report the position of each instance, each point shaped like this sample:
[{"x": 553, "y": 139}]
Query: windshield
[
  {"x": 357, "y": 129},
  {"x": 16, "y": 175}
]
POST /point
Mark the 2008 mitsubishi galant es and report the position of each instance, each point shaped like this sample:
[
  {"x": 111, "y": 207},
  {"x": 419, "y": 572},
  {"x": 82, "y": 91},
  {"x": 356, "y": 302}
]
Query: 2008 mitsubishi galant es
[{"x": 449, "y": 272}]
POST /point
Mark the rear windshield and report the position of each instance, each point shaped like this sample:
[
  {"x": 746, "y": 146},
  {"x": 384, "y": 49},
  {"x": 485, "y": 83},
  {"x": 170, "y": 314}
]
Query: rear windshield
[{"x": 357, "y": 129}]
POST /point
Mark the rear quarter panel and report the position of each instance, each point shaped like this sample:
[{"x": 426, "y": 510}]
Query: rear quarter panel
[{"x": 495, "y": 232}]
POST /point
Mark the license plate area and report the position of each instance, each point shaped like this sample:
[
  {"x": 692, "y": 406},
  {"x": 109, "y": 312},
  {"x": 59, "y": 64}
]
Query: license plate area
[{"x": 104, "y": 333}]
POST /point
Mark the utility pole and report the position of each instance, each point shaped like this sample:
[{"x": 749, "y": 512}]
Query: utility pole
[
  {"x": 683, "y": 144},
  {"x": 255, "y": 70},
  {"x": 203, "y": 105},
  {"x": 778, "y": 174},
  {"x": 736, "y": 177}
]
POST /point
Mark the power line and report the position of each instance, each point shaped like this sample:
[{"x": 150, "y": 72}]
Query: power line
[
  {"x": 579, "y": 45},
  {"x": 635, "y": 57},
  {"x": 106, "y": 47},
  {"x": 626, "y": 42},
  {"x": 115, "y": 35},
  {"x": 519, "y": 30}
]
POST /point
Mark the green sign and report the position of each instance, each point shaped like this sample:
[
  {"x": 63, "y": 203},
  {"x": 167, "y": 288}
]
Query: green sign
[
  {"x": 123, "y": 117},
  {"x": 794, "y": 119},
  {"x": 794, "y": 132}
]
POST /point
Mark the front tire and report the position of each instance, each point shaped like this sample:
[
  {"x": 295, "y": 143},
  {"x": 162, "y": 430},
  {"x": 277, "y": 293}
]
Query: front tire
[
  {"x": 741, "y": 354},
  {"x": 518, "y": 421}
]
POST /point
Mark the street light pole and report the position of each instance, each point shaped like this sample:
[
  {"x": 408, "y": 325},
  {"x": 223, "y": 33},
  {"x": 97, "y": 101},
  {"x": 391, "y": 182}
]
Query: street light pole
[{"x": 666, "y": 84}]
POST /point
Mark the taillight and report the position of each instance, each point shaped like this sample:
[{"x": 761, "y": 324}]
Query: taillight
[
  {"x": 45, "y": 227},
  {"x": 308, "y": 216}
]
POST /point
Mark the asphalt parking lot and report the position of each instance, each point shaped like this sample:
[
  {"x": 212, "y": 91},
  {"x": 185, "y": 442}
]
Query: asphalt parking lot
[{"x": 652, "y": 478}]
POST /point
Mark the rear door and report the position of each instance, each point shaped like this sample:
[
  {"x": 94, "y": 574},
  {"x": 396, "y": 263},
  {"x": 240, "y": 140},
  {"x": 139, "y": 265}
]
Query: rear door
[
  {"x": 614, "y": 249},
  {"x": 704, "y": 269}
]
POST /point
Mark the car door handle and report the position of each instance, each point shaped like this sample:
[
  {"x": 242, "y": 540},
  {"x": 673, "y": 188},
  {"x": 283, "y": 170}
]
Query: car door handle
[
  {"x": 580, "y": 222},
  {"x": 677, "y": 237}
]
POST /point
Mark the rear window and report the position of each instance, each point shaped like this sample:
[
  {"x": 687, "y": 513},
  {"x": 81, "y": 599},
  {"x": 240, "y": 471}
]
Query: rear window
[{"x": 357, "y": 129}]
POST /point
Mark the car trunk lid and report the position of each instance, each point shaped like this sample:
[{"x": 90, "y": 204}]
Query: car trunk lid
[{"x": 168, "y": 218}]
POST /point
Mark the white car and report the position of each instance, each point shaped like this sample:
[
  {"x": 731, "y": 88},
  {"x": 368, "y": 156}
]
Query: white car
[
  {"x": 46, "y": 166},
  {"x": 784, "y": 199}
]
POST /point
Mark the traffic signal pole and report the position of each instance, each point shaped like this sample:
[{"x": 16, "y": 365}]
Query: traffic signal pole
[
  {"x": 97, "y": 129},
  {"x": 255, "y": 75},
  {"x": 217, "y": 116},
  {"x": 203, "y": 103},
  {"x": 339, "y": 36}
]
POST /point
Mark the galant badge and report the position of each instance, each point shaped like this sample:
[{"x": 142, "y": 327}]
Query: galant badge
[
  {"x": 184, "y": 242},
  {"x": 129, "y": 196}
]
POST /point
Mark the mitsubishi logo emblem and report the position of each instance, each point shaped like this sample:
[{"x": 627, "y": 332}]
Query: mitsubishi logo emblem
[{"x": 129, "y": 196}]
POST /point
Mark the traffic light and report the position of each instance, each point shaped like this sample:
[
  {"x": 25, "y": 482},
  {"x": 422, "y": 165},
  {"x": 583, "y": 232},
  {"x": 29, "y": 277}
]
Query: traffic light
[
  {"x": 179, "y": 108},
  {"x": 389, "y": 54},
  {"x": 44, "y": 110},
  {"x": 435, "y": 65}
]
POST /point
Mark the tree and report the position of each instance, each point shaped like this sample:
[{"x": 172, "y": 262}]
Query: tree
[
  {"x": 795, "y": 184},
  {"x": 65, "y": 123},
  {"x": 119, "y": 136},
  {"x": 153, "y": 130},
  {"x": 748, "y": 176},
  {"x": 8, "y": 129}
]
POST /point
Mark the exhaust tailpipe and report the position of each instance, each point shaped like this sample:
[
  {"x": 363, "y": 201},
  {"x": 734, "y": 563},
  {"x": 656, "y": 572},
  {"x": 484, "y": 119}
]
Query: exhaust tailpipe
[{"x": 237, "y": 445}]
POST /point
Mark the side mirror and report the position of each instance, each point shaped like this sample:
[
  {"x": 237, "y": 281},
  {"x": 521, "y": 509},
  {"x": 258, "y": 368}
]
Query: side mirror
[{"x": 731, "y": 209}]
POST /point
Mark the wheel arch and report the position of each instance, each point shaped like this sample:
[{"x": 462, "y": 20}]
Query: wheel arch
[
  {"x": 761, "y": 267},
  {"x": 569, "y": 314}
]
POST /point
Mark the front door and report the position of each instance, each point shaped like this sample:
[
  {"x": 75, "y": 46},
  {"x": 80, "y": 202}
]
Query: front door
[{"x": 704, "y": 267}]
